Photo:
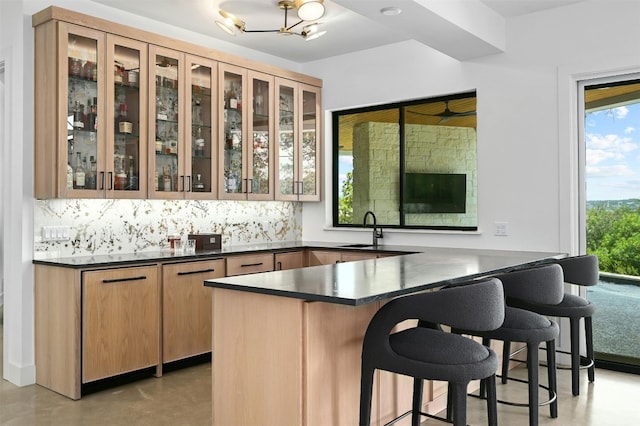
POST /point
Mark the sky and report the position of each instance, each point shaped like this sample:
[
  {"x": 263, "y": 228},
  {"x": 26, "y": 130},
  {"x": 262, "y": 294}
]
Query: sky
[{"x": 613, "y": 153}]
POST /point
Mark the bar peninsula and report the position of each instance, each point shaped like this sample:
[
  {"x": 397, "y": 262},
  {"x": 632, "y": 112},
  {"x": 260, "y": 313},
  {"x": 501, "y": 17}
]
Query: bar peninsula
[{"x": 287, "y": 344}]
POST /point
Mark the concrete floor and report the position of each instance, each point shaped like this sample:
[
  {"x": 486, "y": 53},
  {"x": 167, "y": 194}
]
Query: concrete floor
[{"x": 183, "y": 398}]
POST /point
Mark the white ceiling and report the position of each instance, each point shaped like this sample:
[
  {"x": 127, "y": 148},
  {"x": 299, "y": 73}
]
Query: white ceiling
[{"x": 462, "y": 29}]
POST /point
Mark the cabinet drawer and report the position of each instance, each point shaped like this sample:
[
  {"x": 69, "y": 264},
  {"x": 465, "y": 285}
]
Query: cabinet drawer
[{"x": 249, "y": 264}]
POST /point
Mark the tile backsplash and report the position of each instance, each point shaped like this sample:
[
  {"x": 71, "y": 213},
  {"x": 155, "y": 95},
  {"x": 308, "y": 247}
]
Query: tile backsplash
[{"x": 128, "y": 226}]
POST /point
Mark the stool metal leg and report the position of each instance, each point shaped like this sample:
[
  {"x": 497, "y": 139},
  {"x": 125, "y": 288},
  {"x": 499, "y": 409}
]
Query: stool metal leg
[
  {"x": 552, "y": 378},
  {"x": 588, "y": 331},
  {"x": 506, "y": 354}
]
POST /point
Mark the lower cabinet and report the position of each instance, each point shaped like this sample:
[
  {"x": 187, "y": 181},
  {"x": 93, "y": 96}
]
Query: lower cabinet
[
  {"x": 289, "y": 260},
  {"x": 120, "y": 321},
  {"x": 186, "y": 308},
  {"x": 249, "y": 264}
]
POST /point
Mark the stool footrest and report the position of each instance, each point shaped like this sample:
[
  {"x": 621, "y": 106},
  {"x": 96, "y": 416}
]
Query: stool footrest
[{"x": 521, "y": 404}]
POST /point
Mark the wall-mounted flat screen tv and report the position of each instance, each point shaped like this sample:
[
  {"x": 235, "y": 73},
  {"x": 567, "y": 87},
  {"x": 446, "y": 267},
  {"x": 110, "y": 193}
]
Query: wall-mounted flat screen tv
[{"x": 435, "y": 193}]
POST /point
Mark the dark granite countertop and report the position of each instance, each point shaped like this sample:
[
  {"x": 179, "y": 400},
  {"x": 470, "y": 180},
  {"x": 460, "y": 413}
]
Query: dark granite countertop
[
  {"x": 349, "y": 283},
  {"x": 105, "y": 260},
  {"x": 366, "y": 281}
]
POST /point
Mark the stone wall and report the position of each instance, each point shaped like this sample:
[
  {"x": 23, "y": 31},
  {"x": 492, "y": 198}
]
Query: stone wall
[{"x": 432, "y": 149}]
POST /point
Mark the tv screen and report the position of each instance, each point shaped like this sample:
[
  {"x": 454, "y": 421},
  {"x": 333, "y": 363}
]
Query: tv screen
[{"x": 435, "y": 193}]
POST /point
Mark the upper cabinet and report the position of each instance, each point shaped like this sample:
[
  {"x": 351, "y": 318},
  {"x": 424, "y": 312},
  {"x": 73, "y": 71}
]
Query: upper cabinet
[
  {"x": 299, "y": 141},
  {"x": 246, "y": 151},
  {"x": 123, "y": 113}
]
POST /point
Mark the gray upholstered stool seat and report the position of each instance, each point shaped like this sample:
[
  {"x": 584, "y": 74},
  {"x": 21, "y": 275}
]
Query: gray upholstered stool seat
[
  {"x": 583, "y": 271},
  {"x": 433, "y": 354}
]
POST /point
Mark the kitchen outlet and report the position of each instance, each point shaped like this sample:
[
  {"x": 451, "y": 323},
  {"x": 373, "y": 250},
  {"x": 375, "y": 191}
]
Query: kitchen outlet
[
  {"x": 500, "y": 229},
  {"x": 56, "y": 233}
]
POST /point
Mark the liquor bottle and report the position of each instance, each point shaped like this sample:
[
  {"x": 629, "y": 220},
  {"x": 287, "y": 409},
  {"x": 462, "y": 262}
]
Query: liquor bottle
[
  {"x": 93, "y": 115},
  {"x": 69, "y": 176},
  {"x": 121, "y": 177},
  {"x": 91, "y": 174},
  {"x": 166, "y": 179},
  {"x": 199, "y": 144},
  {"x": 132, "y": 178},
  {"x": 259, "y": 102},
  {"x": 78, "y": 174},
  {"x": 78, "y": 122},
  {"x": 123, "y": 125},
  {"x": 196, "y": 112},
  {"x": 198, "y": 183},
  {"x": 233, "y": 99}
]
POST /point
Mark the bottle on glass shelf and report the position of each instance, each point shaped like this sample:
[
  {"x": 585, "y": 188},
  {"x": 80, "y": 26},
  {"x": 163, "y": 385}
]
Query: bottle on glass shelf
[
  {"x": 199, "y": 144},
  {"x": 166, "y": 179},
  {"x": 69, "y": 176},
  {"x": 233, "y": 99},
  {"x": 198, "y": 183},
  {"x": 132, "y": 178},
  {"x": 78, "y": 122},
  {"x": 78, "y": 173},
  {"x": 91, "y": 174},
  {"x": 123, "y": 124},
  {"x": 93, "y": 115},
  {"x": 120, "y": 176}
]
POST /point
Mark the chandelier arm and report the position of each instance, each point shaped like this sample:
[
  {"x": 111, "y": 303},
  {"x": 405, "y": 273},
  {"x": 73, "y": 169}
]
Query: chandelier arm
[
  {"x": 261, "y": 31},
  {"x": 295, "y": 25}
]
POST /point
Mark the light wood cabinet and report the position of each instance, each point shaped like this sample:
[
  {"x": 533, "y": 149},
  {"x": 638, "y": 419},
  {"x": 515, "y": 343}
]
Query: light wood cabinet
[
  {"x": 299, "y": 141},
  {"x": 290, "y": 260},
  {"x": 80, "y": 150},
  {"x": 249, "y": 264},
  {"x": 184, "y": 114},
  {"x": 200, "y": 124},
  {"x": 120, "y": 321},
  {"x": 186, "y": 308},
  {"x": 246, "y": 133}
]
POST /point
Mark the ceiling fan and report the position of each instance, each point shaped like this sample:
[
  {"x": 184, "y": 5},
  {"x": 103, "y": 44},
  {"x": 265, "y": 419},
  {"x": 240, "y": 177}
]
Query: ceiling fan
[{"x": 446, "y": 114}]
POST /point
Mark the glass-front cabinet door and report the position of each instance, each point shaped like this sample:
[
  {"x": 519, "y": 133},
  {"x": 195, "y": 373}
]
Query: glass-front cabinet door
[
  {"x": 298, "y": 124},
  {"x": 310, "y": 138},
  {"x": 166, "y": 125},
  {"x": 233, "y": 126},
  {"x": 201, "y": 160},
  {"x": 260, "y": 149},
  {"x": 126, "y": 121},
  {"x": 81, "y": 157},
  {"x": 287, "y": 163}
]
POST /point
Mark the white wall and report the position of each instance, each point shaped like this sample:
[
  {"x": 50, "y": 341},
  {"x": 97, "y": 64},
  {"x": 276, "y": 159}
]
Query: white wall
[{"x": 520, "y": 137}]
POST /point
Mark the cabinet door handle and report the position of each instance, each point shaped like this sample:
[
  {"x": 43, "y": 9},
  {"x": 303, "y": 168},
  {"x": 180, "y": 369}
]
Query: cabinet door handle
[
  {"x": 102, "y": 181},
  {"x": 110, "y": 181},
  {"x": 182, "y": 179},
  {"x": 119, "y": 280},
  {"x": 203, "y": 271},
  {"x": 278, "y": 266},
  {"x": 250, "y": 186},
  {"x": 246, "y": 265},
  {"x": 190, "y": 184}
]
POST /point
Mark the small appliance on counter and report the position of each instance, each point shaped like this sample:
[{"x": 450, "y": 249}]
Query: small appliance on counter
[{"x": 207, "y": 241}]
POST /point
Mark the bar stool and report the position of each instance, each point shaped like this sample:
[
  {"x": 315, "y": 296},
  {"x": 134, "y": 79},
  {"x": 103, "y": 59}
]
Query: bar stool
[
  {"x": 583, "y": 271},
  {"x": 432, "y": 354},
  {"x": 541, "y": 284}
]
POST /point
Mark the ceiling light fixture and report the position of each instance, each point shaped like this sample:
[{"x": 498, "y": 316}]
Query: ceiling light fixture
[{"x": 307, "y": 11}]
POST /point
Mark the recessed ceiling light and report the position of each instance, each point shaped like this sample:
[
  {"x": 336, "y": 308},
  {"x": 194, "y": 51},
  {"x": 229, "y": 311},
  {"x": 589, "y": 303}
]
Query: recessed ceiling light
[{"x": 390, "y": 11}]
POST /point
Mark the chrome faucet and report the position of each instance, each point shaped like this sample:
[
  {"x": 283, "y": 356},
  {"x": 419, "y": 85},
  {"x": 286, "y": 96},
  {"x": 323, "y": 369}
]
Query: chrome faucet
[{"x": 377, "y": 232}]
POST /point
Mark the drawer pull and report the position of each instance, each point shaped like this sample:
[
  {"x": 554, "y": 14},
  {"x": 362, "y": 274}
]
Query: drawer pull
[
  {"x": 118, "y": 280},
  {"x": 203, "y": 271},
  {"x": 246, "y": 265},
  {"x": 279, "y": 266}
]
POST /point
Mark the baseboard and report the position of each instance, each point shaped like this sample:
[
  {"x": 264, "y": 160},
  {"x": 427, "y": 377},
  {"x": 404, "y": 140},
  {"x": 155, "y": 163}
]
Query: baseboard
[{"x": 19, "y": 376}]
